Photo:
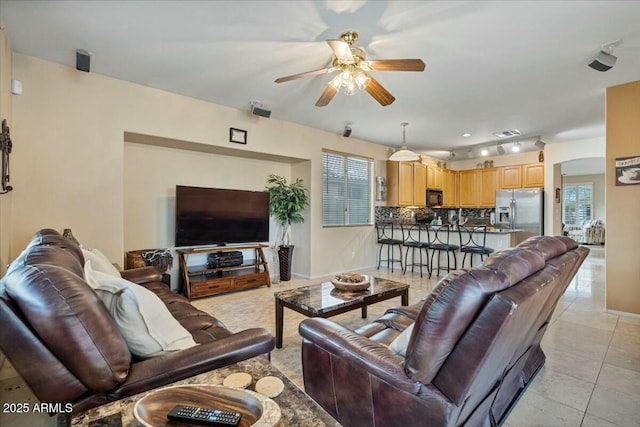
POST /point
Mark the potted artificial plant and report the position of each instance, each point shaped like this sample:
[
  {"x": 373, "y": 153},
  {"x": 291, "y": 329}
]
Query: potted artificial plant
[{"x": 286, "y": 202}]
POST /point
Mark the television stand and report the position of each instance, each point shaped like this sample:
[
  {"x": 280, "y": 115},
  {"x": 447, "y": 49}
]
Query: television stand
[{"x": 202, "y": 281}]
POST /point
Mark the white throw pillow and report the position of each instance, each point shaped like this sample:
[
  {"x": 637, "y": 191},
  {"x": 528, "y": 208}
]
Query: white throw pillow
[
  {"x": 400, "y": 344},
  {"x": 99, "y": 262},
  {"x": 142, "y": 318}
]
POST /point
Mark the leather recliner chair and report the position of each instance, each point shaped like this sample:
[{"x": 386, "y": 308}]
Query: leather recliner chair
[{"x": 474, "y": 348}]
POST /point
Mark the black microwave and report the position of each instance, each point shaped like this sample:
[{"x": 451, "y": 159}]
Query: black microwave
[{"x": 434, "y": 198}]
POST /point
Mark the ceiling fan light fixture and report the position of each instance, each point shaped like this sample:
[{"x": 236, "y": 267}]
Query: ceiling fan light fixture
[
  {"x": 404, "y": 154},
  {"x": 352, "y": 80}
]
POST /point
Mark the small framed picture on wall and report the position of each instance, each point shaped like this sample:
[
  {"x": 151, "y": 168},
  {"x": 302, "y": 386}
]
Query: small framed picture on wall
[
  {"x": 628, "y": 170},
  {"x": 238, "y": 136}
]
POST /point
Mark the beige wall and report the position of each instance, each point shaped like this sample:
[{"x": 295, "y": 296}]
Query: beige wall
[
  {"x": 5, "y": 113},
  {"x": 623, "y": 202},
  {"x": 73, "y": 170},
  {"x": 598, "y": 181}
]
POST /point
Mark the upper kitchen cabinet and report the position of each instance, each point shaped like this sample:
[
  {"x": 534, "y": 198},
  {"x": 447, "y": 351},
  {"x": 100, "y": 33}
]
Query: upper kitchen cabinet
[
  {"x": 450, "y": 190},
  {"x": 489, "y": 181},
  {"x": 469, "y": 185},
  {"x": 533, "y": 175},
  {"x": 406, "y": 183},
  {"x": 522, "y": 176},
  {"x": 478, "y": 187},
  {"x": 511, "y": 177},
  {"x": 435, "y": 178}
]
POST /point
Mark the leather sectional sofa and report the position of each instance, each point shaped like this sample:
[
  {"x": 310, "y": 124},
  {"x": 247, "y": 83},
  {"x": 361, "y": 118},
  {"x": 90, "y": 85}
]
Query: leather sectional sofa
[
  {"x": 62, "y": 340},
  {"x": 473, "y": 349}
]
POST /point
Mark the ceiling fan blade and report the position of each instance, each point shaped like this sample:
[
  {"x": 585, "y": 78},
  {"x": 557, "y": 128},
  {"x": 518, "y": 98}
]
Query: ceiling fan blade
[
  {"x": 305, "y": 74},
  {"x": 327, "y": 95},
  {"x": 342, "y": 51},
  {"x": 396, "y": 65},
  {"x": 379, "y": 93}
]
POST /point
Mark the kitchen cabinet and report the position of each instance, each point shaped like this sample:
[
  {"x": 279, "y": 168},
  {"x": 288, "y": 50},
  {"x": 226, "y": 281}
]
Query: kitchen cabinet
[
  {"x": 478, "y": 187},
  {"x": 406, "y": 183},
  {"x": 522, "y": 176},
  {"x": 449, "y": 188},
  {"x": 533, "y": 175},
  {"x": 434, "y": 177},
  {"x": 511, "y": 177},
  {"x": 469, "y": 183},
  {"x": 419, "y": 184},
  {"x": 489, "y": 181}
]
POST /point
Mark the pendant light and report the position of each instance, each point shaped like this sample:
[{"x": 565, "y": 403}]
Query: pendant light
[{"x": 404, "y": 154}]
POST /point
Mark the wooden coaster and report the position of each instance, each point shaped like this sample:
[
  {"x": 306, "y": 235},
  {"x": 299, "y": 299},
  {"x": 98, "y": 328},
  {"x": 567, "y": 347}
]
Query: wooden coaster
[
  {"x": 238, "y": 380},
  {"x": 270, "y": 386}
]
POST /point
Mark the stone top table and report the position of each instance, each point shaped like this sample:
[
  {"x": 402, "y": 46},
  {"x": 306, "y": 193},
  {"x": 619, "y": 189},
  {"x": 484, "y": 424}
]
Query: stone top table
[
  {"x": 297, "y": 408},
  {"x": 323, "y": 300}
]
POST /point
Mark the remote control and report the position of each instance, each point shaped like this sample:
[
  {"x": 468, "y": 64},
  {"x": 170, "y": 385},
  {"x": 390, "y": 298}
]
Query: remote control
[{"x": 204, "y": 416}]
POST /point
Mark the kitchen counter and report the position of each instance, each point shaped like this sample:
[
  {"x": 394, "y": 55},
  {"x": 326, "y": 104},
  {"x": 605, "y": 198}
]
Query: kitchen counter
[{"x": 497, "y": 239}]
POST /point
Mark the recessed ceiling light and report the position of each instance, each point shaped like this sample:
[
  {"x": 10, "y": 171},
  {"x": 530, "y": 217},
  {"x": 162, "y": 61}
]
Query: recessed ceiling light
[
  {"x": 484, "y": 152},
  {"x": 466, "y": 134}
]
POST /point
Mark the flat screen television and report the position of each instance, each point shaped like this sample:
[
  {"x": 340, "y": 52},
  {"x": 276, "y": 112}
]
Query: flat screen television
[{"x": 214, "y": 216}]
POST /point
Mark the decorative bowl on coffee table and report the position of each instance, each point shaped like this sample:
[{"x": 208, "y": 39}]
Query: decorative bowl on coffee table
[{"x": 351, "y": 282}]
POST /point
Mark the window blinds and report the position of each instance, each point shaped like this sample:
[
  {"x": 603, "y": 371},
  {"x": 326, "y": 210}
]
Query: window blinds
[{"x": 346, "y": 189}]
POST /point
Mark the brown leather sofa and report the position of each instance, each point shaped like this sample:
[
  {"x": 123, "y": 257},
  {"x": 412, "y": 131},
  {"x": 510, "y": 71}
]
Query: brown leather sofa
[
  {"x": 61, "y": 339},
  {"x": 474, "y": 348}
]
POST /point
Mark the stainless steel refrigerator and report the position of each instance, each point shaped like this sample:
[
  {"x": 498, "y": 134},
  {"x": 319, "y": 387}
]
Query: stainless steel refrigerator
[{"x": 521, "y": 209}]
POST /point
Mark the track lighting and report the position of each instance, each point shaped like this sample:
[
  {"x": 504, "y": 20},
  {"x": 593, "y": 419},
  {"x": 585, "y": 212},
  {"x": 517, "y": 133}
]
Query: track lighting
[
  {"x": 540, "y": 144},
  {"x": 500, "y": 149},
  {"x": 452, "y": 155},
  {"x": 470, "y": 153},
  {"x": 484, "y": 152},
  {"x": 516, "y": 147}
]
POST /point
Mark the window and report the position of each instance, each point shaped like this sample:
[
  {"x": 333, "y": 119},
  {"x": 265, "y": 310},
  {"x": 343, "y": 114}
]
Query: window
[
  {"x": 577, "y": 203},
  {"x": 346, "y": 189}
]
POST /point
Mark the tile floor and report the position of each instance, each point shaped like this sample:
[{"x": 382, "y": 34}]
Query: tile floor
[{"x": 591, "y": 377}]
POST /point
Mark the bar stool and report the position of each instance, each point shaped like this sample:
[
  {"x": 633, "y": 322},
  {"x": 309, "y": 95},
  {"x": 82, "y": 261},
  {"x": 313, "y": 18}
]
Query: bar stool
[
  {"x": 473, "y": 241},
  {"x": 388, "y": 236},
  {"x": 413, "y": 236},
  {"x": 439, "y": 242}
]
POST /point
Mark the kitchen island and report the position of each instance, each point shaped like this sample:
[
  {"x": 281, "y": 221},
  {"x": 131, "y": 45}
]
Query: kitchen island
[{"x": 497, "y": 239}]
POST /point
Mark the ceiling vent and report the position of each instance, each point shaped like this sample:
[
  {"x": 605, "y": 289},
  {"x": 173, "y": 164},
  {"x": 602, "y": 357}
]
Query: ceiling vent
[{"x": 508, "y": 133}]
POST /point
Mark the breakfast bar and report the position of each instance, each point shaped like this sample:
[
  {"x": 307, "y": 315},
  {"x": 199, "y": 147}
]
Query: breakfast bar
[{"x": 497, "y": 239}]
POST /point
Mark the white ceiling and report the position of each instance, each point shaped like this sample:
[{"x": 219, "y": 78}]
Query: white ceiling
[
  {"x": 490, "y": 65},
  {"x": 589, "y": 166}
]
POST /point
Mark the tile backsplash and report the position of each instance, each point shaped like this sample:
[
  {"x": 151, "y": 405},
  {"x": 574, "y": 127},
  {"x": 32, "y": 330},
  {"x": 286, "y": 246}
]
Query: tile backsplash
[{"x": 401, "y": 213}]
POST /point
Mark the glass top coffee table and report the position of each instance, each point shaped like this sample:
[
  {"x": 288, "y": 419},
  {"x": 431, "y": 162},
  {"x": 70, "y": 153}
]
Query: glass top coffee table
[{"x": 323, "y": 300}]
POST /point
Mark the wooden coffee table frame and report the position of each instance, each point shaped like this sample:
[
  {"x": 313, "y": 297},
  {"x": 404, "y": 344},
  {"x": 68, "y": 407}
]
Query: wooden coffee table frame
[{"x": 403, "y": 293}]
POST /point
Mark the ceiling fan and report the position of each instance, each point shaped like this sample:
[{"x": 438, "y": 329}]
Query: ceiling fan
[{"x": 354, "y": 71}]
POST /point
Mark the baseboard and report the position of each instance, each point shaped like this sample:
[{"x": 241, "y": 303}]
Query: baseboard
[{"x": 622, "y": 313}]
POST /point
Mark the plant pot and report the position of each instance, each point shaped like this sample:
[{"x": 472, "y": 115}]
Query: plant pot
[{"x": 285, "y": 253}]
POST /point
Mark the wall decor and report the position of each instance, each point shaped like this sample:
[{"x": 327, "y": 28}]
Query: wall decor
[
  {"x": 628, "y": 170},
  {"x": 5, "y": 145},
  {"x": 238, "y": 136}
]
